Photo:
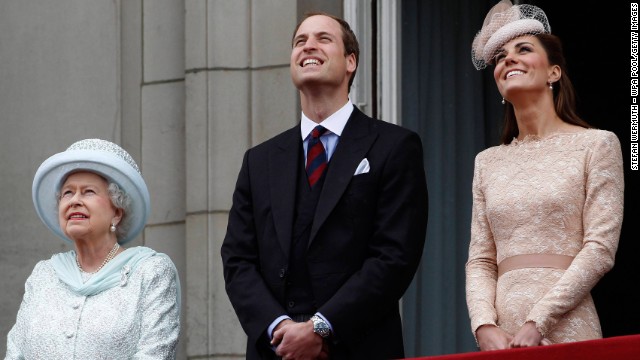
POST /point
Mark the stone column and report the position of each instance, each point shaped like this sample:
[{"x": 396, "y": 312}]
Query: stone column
[{"x": 238, "y": 94}]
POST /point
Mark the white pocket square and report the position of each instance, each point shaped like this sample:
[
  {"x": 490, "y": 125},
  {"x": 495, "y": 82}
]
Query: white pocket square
[{"x": 363, "y": 167}]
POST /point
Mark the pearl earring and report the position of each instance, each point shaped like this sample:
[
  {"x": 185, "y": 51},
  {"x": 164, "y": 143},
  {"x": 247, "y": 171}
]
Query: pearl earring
[
  {"x": 112, "y": 228},
  {"x": 550, "y": 86},
  {"x": 503, "y": 102}
]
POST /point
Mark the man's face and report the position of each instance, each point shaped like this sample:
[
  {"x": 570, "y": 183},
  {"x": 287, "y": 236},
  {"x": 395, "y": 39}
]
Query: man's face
[{"x": 318, "y": 57}]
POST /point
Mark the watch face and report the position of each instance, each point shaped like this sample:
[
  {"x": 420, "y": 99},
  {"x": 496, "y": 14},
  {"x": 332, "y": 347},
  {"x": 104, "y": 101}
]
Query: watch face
[{"x": 320, "y": 327}]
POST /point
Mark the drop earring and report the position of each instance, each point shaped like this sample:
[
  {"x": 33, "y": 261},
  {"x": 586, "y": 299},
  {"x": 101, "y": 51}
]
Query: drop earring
[
  {"x": 550, "y": 86},
  {"x": 112, "y": 228},
  {"x": 503, "y": 102}
]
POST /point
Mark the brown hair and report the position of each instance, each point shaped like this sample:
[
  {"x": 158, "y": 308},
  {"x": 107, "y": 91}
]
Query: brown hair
[
  {"x": 349, "y": 39},
  {"x": 564, "y": 98}
]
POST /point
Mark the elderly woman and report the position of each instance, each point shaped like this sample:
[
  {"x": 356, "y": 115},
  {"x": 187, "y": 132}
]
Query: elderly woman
[
  {"x": 100, "y": 300},
  {"x": 547, "y": 202}
]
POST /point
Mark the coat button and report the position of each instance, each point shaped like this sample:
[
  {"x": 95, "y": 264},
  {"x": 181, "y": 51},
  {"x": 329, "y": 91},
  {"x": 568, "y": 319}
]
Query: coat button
[{"x": 291, "y": 304}]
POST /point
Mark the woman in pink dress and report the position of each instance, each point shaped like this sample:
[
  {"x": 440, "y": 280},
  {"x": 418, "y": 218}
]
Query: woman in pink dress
[{"x": 547, "y": 202}]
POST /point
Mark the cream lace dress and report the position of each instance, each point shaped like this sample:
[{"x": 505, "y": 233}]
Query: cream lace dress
[{"x": 559, "y": 195}]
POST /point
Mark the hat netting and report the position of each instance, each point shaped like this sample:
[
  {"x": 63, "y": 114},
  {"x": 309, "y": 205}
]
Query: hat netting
[{"x": 504, "y": 22}]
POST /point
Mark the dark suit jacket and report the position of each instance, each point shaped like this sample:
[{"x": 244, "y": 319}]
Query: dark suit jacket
[{"x": 366, "y": 238}]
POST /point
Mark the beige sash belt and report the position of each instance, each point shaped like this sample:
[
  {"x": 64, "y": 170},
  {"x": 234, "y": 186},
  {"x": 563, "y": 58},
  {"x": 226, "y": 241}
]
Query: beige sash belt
[{"x": 534, "y": 261}]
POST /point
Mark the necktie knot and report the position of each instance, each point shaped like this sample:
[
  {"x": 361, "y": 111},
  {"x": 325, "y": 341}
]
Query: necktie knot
[{"x": 318, "y": 131}]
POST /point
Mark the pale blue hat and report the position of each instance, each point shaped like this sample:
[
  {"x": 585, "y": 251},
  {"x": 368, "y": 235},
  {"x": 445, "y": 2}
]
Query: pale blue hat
[{"x": 104, "y": 158}]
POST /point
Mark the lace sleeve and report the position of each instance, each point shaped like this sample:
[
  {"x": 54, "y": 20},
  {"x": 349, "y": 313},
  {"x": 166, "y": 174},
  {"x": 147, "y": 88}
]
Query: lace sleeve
[
  {"x": 481, "y": 267},
  {"x": 602, "y": 220}
]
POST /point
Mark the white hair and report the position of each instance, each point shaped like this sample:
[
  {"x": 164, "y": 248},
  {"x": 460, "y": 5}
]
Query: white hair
[{"x": 120, "y": 200}]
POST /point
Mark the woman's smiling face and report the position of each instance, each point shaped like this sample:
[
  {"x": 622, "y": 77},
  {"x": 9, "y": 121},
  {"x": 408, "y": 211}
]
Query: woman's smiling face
[{"x": 522, "y": 65}]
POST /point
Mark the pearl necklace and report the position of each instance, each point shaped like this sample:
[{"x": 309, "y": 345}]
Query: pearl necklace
[{"x": 109, "y": 257}]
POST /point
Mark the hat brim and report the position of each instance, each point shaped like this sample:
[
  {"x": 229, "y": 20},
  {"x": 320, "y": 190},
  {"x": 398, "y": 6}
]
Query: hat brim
[
  {"x": 53, "y": 171},
  {"x": 509, "y": 32}
]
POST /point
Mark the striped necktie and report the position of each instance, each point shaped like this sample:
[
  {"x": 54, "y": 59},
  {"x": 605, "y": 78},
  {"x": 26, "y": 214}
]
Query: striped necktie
[{"x": 316, "y": 156}]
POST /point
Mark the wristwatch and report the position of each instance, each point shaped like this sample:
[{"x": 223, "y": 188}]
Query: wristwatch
[{"x": 320, "y": 326}]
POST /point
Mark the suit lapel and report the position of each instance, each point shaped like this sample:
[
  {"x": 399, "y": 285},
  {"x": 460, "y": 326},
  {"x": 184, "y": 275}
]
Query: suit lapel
[
  {"x": 283, "y": 166},
  {"x": 352, "y": 147}
]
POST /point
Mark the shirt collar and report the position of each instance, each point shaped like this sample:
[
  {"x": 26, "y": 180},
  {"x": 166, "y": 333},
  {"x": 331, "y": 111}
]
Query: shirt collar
[{"x": 334, "y": 123}]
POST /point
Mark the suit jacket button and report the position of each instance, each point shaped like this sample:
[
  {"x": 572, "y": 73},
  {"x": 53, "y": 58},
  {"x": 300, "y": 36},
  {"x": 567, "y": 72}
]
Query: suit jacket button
[{"x": 291, "y": 304}]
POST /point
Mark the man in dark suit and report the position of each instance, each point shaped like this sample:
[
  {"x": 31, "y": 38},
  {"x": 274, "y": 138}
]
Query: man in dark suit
[{"x": 328, "y": 223}]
